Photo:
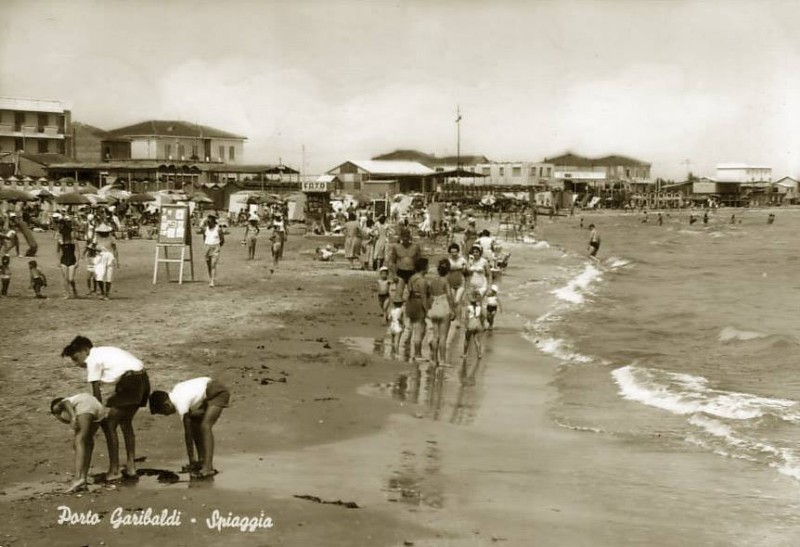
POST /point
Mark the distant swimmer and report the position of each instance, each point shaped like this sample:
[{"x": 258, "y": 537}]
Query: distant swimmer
[
  {"x": 733, "y": 219},
  {"x": 771, "y": 218},
  {"x": 692, "y": 219},
  {"x": 660, "y": 219},
  {"x": 581, "y": 223},
  {"x": 705, "y": 217},
  {"x": 594, "y": 243}
]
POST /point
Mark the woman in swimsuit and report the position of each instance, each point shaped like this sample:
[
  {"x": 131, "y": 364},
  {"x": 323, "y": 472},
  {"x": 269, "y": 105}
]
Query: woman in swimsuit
[{"x": 68, "y": 257}]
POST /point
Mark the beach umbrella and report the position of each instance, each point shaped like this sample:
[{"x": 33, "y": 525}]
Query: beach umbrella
[
  {"x": 141, "y": 198},
  {"x": 72, "y": 198},
  {"x": 94, "y": 199},
  {"x": 87, "y": 189},
  {"x": 42, "y": 193},
  {"x": 12, "y": 194},
  {"x": 116, "y": 194},
  {"x": 200, "y": 197}
]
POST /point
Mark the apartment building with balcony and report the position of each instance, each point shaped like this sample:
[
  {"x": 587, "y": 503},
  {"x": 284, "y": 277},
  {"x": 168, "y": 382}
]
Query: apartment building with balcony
[
  {"x": 34, "y": 126},
  {"x": 172, "y": 141}
]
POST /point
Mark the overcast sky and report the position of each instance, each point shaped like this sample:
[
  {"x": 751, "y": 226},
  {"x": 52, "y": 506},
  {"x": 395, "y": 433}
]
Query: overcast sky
[{"x": 664, "y": 82}]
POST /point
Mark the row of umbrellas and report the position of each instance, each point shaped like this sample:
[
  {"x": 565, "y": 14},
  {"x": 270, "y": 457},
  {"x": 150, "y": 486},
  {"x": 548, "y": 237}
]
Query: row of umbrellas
[{"x": 113, "y": 195}]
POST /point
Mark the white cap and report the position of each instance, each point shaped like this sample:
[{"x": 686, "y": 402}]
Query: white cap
[{"x": 495, "y": 288}]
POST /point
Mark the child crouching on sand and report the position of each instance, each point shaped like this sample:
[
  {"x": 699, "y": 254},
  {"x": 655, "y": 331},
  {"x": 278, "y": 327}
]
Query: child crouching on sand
[
  {"x": 84, "y": 413},
  {"x": 199, "y": 402}
]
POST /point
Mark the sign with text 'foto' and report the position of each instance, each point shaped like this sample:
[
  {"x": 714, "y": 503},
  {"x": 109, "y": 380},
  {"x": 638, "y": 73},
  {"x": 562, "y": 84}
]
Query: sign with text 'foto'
[{"x": 174, "y": 228}]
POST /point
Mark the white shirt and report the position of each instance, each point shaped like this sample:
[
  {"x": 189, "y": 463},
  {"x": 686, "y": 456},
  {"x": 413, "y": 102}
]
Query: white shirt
[
  {"x": 212, "y": 235},
  {"x": 189, "y": 395},
  {"x": 107, "y": 364}
]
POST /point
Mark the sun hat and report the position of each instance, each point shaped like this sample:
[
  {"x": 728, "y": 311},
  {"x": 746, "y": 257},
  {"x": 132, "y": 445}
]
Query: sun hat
[
  {"x": 383, "y": 269},
  {"x": 104, "y": 228}
]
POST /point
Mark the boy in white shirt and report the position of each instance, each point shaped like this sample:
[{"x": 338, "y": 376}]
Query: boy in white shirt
[
  {"x": 199, "y": 402},
  {"x": 84, "y": 413},
  {"x": 116, "y": 367}
]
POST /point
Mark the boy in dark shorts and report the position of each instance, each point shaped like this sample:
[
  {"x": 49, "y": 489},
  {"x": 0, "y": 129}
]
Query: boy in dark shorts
[
  {"x": 118, "y": 368},
  {"x": 199, "y": 402}
]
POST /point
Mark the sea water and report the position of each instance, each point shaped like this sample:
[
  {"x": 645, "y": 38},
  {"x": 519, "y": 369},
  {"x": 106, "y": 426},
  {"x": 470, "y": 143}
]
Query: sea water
[{"x": 684, "y": 333}]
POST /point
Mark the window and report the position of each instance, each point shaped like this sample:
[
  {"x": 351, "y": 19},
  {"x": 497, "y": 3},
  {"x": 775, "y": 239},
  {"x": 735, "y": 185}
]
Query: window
[
  {"x": 43, "y": 146},
  {"x": 231, "y": 154},
  {"x": 194, "y": 152},
  {"x": 502, "y": 171},
  {"x": 19, "y": 144},
  {"x": 548, "y": 171},
  {"x": 540, "y": 171},
  {"x": 221, "y": 153},
  {"x": 42, "y": 121},
  {"x": 168, "y": 151},
  {"x": 181, "y": 151},
  {"x": 516, "y": 171},
  {"x": 486, "y": 171}
]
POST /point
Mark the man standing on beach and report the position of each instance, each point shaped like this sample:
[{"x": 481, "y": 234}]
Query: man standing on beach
[
  {"x": 594, "y": 243},
  {"x": 402, "y": 257},
  {"x": 213, "y": 240}
]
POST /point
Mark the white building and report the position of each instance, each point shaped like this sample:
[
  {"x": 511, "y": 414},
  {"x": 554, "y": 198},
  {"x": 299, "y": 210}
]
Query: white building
[
  {"x": 520, "y": 173},
  {"x": 34, "y": 126},
  {"x": 741, "y": 172}
]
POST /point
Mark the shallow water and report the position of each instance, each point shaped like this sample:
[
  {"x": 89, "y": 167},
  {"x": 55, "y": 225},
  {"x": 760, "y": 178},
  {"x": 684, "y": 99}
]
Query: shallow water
[{"x": 685, "y": 332}]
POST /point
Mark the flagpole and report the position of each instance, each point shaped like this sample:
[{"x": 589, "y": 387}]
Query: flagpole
[{"x": 458, "y": 145}]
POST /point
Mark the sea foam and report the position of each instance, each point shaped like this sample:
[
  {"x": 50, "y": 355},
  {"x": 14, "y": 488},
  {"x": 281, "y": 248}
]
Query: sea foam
[
  {"x": 686, "y": 394},
  {"x": 575, "y": 288},
  {"x": 729, "y": 334}
]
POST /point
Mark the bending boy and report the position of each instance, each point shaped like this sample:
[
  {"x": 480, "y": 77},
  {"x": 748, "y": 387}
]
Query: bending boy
[
  {"x": 126, "y": 373},
  {"x": 84, "y": 413},
  {"x": 199, "y": 402}
]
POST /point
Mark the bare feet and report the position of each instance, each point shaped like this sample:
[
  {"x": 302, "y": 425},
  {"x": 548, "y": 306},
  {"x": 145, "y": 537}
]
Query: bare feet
[{"x": 76, "y": 486}]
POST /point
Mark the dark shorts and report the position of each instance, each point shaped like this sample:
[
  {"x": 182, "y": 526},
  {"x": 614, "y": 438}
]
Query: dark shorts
[
  {"x": 133, "y": 389},
  {"x": 217, "y": 394},
  {"x": 382, "y": 298},
  {"x": 405, "y": 275},
  {"x": 491, "y": 308},
  {"x": 595, "y": 247}
]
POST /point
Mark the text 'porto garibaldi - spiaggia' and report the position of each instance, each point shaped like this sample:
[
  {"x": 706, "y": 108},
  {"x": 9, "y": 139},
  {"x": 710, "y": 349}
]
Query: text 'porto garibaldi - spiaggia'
[{"x": 165, "y": 517}]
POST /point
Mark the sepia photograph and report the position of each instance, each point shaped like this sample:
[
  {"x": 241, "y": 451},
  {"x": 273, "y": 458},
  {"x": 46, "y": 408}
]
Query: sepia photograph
[{"x": 453, "y": 273}]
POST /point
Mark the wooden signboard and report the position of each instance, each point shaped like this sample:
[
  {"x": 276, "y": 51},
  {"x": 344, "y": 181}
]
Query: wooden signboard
[
  {"x": 174, "y": 227},
  {"x": 174, "y": 231}
]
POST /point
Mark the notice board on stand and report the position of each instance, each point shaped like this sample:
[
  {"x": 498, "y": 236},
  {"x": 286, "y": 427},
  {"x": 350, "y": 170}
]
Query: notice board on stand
[
  {"x": 174, "y": 227},
  {"x": 174, "y": 230}
]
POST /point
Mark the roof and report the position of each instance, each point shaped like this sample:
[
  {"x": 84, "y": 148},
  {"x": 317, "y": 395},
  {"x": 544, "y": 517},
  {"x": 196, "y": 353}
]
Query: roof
[
  {"x": 131, "y": 164},
  {"x": 327, "y": 178},
  {"x": 171, "y": 128},
  {"x": 575, "y": 160},
  {"x": 399, "y": 168},
  {"x": 430, "y": 160},
  {"x": 95, "y": 131},
  {"x": 259, "y": 168}
]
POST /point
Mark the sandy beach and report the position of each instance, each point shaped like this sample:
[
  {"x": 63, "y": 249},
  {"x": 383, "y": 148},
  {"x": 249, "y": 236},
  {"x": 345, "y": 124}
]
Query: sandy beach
[{"x": 334, "y": 443}]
